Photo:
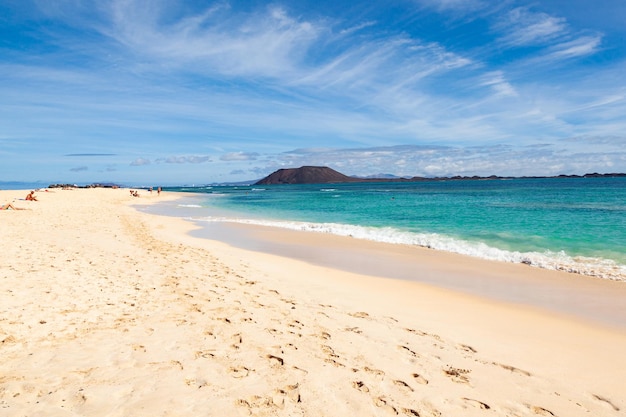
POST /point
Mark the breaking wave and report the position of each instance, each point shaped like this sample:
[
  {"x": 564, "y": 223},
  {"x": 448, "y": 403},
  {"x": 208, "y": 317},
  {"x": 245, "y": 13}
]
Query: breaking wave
[{"x": 560, "y": 261}]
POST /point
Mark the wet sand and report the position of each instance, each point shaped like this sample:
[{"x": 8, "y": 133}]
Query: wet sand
[{"x": 587, "y": 298}]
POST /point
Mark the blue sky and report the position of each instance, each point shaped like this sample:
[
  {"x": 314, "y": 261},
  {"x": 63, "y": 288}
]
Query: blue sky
[{"x": 192, "y": 92}]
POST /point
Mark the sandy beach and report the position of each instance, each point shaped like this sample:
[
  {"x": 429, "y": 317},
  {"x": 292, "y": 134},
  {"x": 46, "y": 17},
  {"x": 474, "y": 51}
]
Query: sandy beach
[{"x": 109, "y": 311}]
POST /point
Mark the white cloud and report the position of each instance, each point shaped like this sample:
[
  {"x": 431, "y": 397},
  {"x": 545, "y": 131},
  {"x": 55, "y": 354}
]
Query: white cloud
[
  {"x": 266, "y": 44},
  {"x": 357, "y": 28},
  {"x": 619, "y": 142},
  {"x": 585, "y": 45},
  {"x": 139, "y": 162},
  {"x": 521, "y": 27},
  {"x": 198, "y": 159},
  {"x": 287, "y": 52},
  {"x": 374, "y": 66},
  {"x": 184, "y": 159},
  {"x": 498, "y": 83},
  {"x": 459, "y": 6},
  {"x": 239, "y": 156}
]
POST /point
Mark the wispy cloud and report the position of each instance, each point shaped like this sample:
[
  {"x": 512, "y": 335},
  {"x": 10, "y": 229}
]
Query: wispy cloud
[
  {"x": 456, "y": 6},
  {"x": 585, "y": 45},
  {"x": 351, "y": 30},
  {"x": 184, "y": 159},
  {"x": 214, "y": 41},
  {"x": 522, "y": 27},
  {"x": 377, "y": 66},
  {"x": 91, "y": 154},
  {"x": 498, "y": 83},
  {"x": 555, "y": 38}
]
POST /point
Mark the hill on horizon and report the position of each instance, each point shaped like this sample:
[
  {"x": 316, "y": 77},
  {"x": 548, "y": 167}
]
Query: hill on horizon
[{"x": 305, "y": 175}]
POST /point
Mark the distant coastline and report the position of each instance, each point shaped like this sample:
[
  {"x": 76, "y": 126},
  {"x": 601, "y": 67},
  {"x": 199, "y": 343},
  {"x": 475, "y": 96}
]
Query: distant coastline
[
  {"x": 295, "y": 178},
  {"x": 326, "y": 175}
]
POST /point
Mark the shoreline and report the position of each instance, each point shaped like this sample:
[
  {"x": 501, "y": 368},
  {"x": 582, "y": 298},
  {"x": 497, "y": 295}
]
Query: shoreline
[
  {"x": 585, "y": 297},
  {"x": 106, "y": 310},
  {"x": 607, "y": 263},
  {"x": 589, "y": 298}
]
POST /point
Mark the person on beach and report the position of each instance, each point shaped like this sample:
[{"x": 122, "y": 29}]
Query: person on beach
[
  {"x": 9, "y": 206},
  {"x": 31, "y": 196}
]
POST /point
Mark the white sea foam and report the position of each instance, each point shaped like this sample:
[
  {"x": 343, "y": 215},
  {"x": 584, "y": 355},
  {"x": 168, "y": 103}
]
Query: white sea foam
[
  {"x": 602, "y": 268},
  {"x": 190, "y": 205}
]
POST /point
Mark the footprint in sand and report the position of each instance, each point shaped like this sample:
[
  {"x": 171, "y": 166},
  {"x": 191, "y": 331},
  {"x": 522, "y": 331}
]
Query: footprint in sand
[
  {"x": 292, "y": 392},
  {"x": 334, "y": 363},
  {"x": 295, "y": 324},
  {"x": 382, "y": 403},
  {"x": 239, "y": 371},
  {"x": 377, "y": 372},
  {"x": 466, "y": 348},
  {"x": 420, "y": 379},
  {"x": 9, "y": 340},
  {"x": 476, "y": 403},
  {"x": 512, "y": 369},
  {"x": 204, "y": 354},
  {"x": 541, "y": 411},
  {"x": 606, "y": 401},
  {"x": 360, "y": 385},
  {"x": 403, "y": 384},
  {"x": 457, "y": 374},
  {"x": 329, "y": 351},
  {"x": 353, "y": 330},
  {"x": 360, "y": 315},
  {"x": 407, "y": 350},
  {"x": 274, "y": 331},
  {"x": 275, "y": 360}
]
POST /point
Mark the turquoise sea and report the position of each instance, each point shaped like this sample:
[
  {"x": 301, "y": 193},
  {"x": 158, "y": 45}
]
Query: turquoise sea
[{"x": 571, "y": 224}]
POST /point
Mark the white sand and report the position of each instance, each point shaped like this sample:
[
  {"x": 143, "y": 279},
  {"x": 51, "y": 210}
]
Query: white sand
[{"x": 105, "y": 311}]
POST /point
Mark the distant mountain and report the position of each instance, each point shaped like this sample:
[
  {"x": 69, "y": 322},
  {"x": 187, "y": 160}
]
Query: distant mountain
[
  {"x": 306, "y": 175},
  {"x": 381, "y": 176}
]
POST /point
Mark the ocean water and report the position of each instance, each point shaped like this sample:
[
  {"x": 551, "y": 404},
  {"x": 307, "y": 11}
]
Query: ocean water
[{"x": 571, "y": 224}]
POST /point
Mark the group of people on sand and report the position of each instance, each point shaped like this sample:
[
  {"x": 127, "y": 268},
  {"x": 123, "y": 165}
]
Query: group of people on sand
[
  {"x": 29, "y": 197},
  {"x": 135, "y": 193}
]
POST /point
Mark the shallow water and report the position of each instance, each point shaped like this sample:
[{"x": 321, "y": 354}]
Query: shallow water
[{"x": 571, "y": 224}]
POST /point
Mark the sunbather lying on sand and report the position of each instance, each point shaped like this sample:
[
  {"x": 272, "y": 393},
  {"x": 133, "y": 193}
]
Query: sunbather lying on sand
[{"x": 9, "y": 206}]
